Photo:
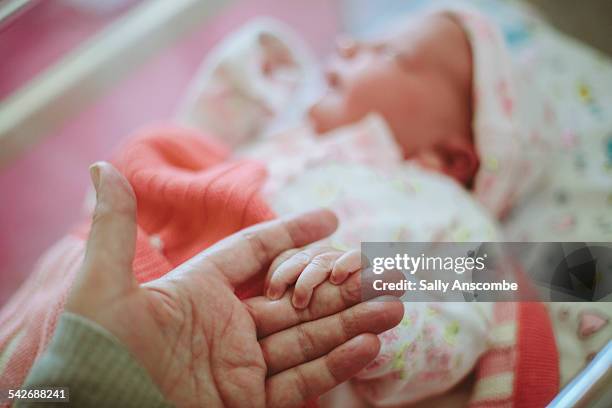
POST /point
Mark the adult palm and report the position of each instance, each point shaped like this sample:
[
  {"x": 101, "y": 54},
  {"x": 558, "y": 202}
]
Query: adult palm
[{"x": 202, "y": 345}]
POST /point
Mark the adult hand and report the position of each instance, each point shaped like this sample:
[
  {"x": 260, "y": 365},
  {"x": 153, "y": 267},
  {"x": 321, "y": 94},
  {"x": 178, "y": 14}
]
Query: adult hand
[{"x": 201, "y": 344}]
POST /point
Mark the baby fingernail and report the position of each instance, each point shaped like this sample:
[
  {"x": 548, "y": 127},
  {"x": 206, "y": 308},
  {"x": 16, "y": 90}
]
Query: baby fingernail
[{"x": 272, "y": 294}]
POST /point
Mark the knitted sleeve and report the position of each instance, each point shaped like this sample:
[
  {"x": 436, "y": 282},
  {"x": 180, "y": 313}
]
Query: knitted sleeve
[{"x": 95, "y": 367}]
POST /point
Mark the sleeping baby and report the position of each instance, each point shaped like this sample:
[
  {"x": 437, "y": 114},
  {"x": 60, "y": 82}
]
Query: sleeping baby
[
  {"x": 432, "y": 132},
  {"x": 429, "y": 133}
]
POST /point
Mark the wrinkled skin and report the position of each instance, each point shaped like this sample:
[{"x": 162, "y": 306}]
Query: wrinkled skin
[{"x": 202, "y": 345}]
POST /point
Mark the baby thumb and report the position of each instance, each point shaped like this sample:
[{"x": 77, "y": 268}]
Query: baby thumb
[{"x": 107, "y": 267}]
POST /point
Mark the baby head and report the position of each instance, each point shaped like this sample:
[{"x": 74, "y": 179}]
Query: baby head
[{"x": 420, "y": 81}]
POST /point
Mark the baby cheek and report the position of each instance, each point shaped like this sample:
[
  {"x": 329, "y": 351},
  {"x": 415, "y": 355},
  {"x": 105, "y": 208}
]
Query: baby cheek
[
  {"x": 360, "y": 100},
  {"x": 362, "y": 91},
  {"x": 375, "y": 89}
]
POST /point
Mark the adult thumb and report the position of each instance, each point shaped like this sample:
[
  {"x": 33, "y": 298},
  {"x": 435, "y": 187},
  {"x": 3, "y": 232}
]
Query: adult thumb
[{"x": 107, "y": 267}]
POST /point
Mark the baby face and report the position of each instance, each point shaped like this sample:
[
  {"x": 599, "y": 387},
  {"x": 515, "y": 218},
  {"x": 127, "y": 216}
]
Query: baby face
[{"x": 418, "y": 79}]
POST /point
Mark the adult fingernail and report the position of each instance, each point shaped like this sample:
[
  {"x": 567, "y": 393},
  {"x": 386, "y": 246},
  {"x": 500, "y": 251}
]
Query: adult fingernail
[
  {"x": 299, "y": 301},
  {"x": 94, "y": 173}
]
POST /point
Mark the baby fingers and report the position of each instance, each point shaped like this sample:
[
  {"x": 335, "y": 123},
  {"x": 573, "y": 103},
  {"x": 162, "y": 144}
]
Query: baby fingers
[
  {"x": 287, "y": 272},
  {"x": 315, "y": 273},
  {"x": 347, "y": 264}
]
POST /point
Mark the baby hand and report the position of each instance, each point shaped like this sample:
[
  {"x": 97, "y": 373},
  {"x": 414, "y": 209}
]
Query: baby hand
[{"x": 309, "y": 267}]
